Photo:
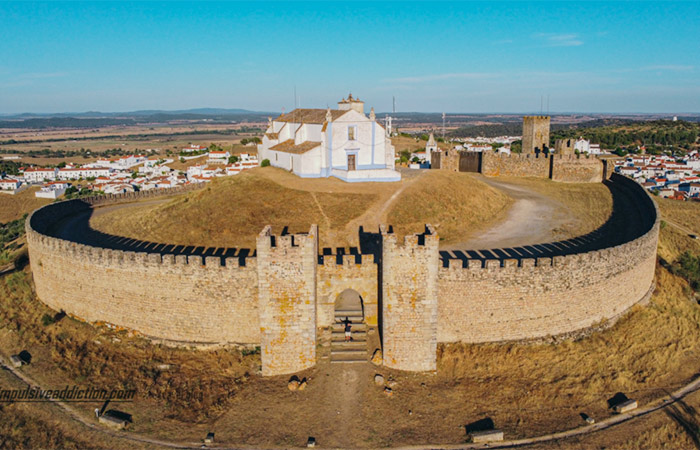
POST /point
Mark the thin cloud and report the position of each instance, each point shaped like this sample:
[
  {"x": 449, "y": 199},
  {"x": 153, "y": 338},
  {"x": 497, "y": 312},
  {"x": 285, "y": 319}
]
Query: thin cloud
[
  {"x": 560, "y": 39},
  {"x": 27, "y": 79},
  {"x": 669, "y": 67},
  {"x": 442, "y": 76}
]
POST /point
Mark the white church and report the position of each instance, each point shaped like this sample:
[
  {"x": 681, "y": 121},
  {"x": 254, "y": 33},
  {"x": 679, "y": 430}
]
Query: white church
[{"x": 343, "y": 143}]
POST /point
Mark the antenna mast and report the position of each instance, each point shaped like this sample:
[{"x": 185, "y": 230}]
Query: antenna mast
[{"x": 443, "y": 126}]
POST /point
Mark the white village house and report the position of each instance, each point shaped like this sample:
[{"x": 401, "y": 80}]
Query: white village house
[{"x": 319, "y": 143}]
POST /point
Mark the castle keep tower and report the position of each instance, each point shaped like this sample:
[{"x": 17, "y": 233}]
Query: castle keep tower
[{"x": 535, "y": 134}]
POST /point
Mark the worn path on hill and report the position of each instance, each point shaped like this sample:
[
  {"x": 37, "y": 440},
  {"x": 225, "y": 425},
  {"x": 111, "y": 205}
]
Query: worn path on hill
[{"x": 532, "y": 219}]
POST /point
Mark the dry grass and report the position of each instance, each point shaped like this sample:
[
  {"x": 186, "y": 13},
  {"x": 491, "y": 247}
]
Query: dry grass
[
  {"x": 232, "y": 211},
  {"x": 198, "y": 386},
  {"x": 686, "y": 214},
  {"x": 13, "y": 207},
  {"x": 672, "y": 240},
  {"x": 590, "y": 203},
  {"x": 651, "y": 350},
  {"x": 22, "y": 427},
  {"x": 456, "y": 203}
]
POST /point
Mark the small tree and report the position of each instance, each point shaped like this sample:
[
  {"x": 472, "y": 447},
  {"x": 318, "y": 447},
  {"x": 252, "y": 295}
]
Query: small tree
[
  {"x": 265, "y": 162},
  {"x": 182, "y": 159},
  {"x": 232, "y": 159}
]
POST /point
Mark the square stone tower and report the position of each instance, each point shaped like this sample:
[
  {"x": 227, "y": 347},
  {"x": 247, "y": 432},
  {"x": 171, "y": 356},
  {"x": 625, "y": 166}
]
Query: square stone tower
[
  {"x": 287, "y": 300},
  {"x": 409, "y": 300},
  {"x": 535, "y": 134}
]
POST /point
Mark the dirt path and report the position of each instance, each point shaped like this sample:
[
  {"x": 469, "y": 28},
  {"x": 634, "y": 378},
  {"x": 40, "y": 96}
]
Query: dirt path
[
  {"x": 533, "y": 219},
  {"x": 376, "y": 214},
  {"x": 685, "y": 230},
  {"x": 325, "y": 217}
]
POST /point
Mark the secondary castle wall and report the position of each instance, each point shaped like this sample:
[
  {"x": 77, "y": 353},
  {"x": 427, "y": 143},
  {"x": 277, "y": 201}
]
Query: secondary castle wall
[
  {"x": 410, "y": 300},
  {"x": 182, "y": 299},
  {"x": 514, "y": 165},
  {"x": 287, "y": 300},
  {"x": 577, "y": 169},
  {"x": 507, "y": 300}
]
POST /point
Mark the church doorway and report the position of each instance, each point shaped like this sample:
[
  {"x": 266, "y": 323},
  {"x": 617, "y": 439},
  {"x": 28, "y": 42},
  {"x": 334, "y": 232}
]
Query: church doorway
[{"x": 351, "y": 162}]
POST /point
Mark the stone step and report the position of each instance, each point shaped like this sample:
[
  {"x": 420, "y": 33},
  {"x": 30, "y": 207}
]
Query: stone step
[
  {"x": 349, "y": 351},
  {"x": 348, "y": 357},
  {"x": 353, "y": 328},
  {"x": 356, "y": 337},
  {"x": 348, "y": 312},
  {"x": 354, "y": 320},
  {"x": 348, "y": 361},
  {"x": 360, "y": 345}
]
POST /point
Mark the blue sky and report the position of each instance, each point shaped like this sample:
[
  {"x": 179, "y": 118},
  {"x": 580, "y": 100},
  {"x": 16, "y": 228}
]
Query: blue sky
[{"x": 453, "y": 57}]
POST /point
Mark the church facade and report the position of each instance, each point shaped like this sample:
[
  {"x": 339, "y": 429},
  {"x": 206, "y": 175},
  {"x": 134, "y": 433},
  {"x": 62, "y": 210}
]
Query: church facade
[{"x": 318, "y": 143}]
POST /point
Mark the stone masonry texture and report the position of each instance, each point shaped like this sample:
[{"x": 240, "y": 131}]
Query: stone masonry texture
[
  {"x": 535, "y": 133},
  {"x": 280, "y": 298},
  {"x": 410, "y": 300}
]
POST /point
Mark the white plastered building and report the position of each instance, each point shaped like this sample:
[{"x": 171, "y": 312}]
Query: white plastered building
[{"x": 318, "y": 143}]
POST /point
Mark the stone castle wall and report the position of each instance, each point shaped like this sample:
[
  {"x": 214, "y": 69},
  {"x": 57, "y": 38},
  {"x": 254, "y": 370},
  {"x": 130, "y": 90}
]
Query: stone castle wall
[
  {"x": 514, "y": 165},
  {"x": 577, "y": 169},
  {"x": 176, "y": 298},
  {"x": 497, "y": 300},
  {"x": 280, "y": 298},
  {"x": 410, "y": 300}
]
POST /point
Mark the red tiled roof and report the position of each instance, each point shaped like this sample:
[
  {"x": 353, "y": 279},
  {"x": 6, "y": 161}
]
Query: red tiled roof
[
  {"x": 289, "y": 147},
  {"x": 309, "y": 116}
]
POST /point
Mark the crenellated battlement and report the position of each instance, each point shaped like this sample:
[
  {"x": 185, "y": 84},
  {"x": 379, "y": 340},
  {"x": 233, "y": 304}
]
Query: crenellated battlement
[
  {"x": 418, "y": 295},
  {"x": 429, "y": 238}
]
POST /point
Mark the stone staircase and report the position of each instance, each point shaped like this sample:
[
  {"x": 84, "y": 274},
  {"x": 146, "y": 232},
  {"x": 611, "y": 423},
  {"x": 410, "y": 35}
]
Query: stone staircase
[{"x": 354, "y": 351}]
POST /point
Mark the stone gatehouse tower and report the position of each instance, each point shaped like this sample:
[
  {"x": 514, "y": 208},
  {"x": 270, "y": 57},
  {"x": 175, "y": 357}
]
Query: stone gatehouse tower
[{"x": 296, "y": 297}]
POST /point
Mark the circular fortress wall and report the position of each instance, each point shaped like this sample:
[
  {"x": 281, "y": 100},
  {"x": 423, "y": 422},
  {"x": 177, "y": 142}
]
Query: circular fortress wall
[
  {"x": 177, "y": 298},
  {"x": 515, "y": 299},
  {"x": 215, "y": 300}
]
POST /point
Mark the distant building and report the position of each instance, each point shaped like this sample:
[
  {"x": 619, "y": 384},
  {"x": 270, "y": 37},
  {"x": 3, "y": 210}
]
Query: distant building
[
  {"x": 535, "y": 134},
  {"x": 9, "y": 184},
  {"x": 218, "y": 157},
  {"x": 343, "y": 143},
  {"x": 194, "y": 148},
  {"x": 38, "y": 175},
  {"x": 52, "y": 190},
  {"x": 430, "y": 146}
]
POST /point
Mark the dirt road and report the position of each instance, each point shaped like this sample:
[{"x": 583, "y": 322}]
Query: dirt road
[{"x": 533, "y": 219}]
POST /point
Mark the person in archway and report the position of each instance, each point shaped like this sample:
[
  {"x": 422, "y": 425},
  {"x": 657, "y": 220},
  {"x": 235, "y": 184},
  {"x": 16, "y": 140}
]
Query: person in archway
[{"x": 348, "y": 328}]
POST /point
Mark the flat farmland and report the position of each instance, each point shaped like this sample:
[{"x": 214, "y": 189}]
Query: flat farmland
[{"x": 158, "y": 139}]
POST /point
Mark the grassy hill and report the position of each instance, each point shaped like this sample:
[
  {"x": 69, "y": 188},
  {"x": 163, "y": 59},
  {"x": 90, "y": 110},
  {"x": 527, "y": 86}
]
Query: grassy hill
[
  {"x": 13, "y": 207},
  {"x": 456, "y": 203},
  {"x": 231, "y": 211}
]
